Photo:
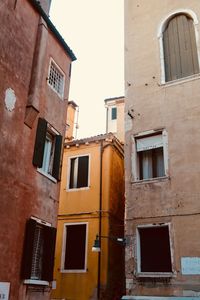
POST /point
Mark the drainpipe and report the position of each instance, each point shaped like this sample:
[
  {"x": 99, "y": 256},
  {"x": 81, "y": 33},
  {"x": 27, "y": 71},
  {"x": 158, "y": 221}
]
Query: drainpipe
[{"x": 100, "y": 222}]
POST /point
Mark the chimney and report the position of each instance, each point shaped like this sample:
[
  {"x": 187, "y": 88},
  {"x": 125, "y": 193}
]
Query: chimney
[
  {"x": 72, "y": 121},
  {"x": 45, "y": 4}
]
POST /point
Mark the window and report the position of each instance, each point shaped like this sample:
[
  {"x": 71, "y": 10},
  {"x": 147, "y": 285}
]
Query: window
[
  {"x": 154, "y": 253},
  {"x": 38, "y": 253},
  {"x": 79, "y": 171},
  {"x": 114, "y": 113},
  {"x": 74, "y": 247},
  {"x": 151, "y": 161},
  {"x": 180, "y": 50},
  {"x": 47, "y": 151},
  {"x": 56, "y": 78}
]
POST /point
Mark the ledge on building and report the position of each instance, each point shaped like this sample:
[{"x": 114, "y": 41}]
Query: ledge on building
[
  {"x": 159, "y": 298},
  {"x": 36, "y": 282},
  {"x": 150, "y": 180},
  {"x": 155, "y": 275}
]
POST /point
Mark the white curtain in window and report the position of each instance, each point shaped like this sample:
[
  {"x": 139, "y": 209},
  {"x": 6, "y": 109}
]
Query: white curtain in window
[
  {"x": 147, "y": 169},
  {"x": 47, "y": 155}
]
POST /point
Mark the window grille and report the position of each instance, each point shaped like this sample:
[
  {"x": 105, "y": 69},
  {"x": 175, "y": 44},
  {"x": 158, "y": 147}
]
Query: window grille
[
  {"x": 36, "y": 269},
  {"x": 56, "y": 79}
]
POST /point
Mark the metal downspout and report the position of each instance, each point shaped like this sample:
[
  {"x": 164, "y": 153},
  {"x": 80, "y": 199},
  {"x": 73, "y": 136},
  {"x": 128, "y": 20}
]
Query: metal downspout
[{"x": 100, "y": 223}]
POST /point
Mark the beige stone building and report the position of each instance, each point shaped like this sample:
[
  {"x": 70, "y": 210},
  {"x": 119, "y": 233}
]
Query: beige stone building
[
  {"x": 162, "y": 129},
  {"x": 115, "y": 116}
]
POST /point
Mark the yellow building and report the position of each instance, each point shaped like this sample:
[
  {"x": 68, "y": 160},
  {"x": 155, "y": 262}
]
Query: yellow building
[{"x": 91, "y": 203}]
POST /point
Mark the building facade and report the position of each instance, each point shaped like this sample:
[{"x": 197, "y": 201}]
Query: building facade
[
  {"x": 115, "y": 116},
  {"x": 35, "y": 67},
  {"x": 72, "y": 121},
  {"x": 91, "y": 204},
  {"x": 162, "y": 54}
]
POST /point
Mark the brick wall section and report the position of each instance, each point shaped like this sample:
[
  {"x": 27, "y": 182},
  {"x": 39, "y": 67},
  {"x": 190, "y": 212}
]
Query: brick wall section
[{"x": 24, "y": 192}]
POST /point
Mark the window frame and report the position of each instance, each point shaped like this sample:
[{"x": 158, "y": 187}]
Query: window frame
[
  {"x": 160, "y": 31},
  {"x": 138, "y": 252},
  {"x": 135, "y": 166},
  {"x": 49, "y": 152},
  {"x": 69, "y": 172},
  {"x": 52, "y": 61},
  {"x": 111, "y": 117},
  {"x": 43, "y": 129},
  {"x": 62, "y": 269},
  {"x": 52, "y": 132},
  {"x": 27, "y": 257}
]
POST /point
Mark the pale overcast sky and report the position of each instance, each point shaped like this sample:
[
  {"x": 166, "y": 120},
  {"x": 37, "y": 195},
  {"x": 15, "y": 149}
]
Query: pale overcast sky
[{"x": 93, "y": 29}]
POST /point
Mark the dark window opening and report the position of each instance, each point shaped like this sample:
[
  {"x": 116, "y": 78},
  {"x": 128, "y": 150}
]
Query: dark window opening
[
  {"x": 114, "y": 113},
  {"x": 75, "y": 247},
  {"x": 155, "y": 255},
  {"x": 79, "y": 172},
  {"x": 180, "y": 50},
  {"x": 151, "y": 163}
]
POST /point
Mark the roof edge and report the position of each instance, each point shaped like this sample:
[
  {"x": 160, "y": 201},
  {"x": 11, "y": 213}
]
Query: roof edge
[
  {"x": 101, "y": 137},
  {"x": 51, "y": 26}
]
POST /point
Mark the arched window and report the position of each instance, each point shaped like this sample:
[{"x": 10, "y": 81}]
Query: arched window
[{"x": 179, "y": 46}]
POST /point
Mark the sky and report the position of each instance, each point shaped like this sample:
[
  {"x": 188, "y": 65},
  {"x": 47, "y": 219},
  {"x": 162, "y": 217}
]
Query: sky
[{"x": 94, "y": 30}]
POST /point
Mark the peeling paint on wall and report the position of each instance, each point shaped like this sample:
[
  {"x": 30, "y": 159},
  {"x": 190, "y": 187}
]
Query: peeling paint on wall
[
  {"x": 128, "y": 123},
  {"x": 190, "y": 265},
  {"x": 10, "y": 99}
]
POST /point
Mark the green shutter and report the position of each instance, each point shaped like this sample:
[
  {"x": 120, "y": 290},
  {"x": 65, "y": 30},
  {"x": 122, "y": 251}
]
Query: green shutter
[
  {"x": 40, "y": 142},
  {"x": 114, "y": 113},
  {"x": 180, "y": 50},
  {"x": 57, "y": 157},
  {"x": 28, "y": 249}
]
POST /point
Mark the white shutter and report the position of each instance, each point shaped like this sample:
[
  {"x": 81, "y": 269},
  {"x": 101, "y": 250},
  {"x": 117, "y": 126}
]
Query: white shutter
[{"x": 149, "y": 142}]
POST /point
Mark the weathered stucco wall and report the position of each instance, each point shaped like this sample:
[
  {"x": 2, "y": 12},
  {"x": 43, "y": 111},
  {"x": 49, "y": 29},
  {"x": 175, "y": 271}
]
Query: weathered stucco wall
[
  {"x": 173, "y": 106},
  {"x": 24, "y": 191}
]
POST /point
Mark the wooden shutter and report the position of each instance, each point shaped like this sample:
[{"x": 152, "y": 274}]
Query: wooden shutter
[
  {"x": 180, "y": 51},
  {"x": 72, "y": 168},
  {"x": 57, "y": 157},
  {"x": 28, "y": 249},
  {"x": 40, "y": 142},
  {"x": 82, "y": 180},
  {"x": 48, "y": 253}
]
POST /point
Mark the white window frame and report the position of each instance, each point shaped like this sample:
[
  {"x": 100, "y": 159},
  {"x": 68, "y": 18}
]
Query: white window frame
[
  {"x": 61, "y": 95},
  {"x": 69, "y": 171},
  {"x": 51, "y": 131},
  {"x": 62, "y": 270},
  {"x": 138, "y": 256},
  {"x": 160, "y": 31},
  {"x": 135, "y": 158}
]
